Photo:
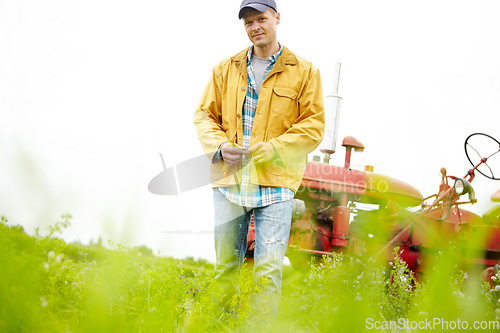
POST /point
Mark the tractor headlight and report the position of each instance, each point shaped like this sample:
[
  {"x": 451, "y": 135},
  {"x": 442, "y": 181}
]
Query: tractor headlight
[{"x": 462, "y": 186}]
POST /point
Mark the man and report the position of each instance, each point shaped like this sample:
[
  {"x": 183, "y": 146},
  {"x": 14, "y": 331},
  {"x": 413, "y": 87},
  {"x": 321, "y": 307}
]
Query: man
[{"x": 260, "y": 115}]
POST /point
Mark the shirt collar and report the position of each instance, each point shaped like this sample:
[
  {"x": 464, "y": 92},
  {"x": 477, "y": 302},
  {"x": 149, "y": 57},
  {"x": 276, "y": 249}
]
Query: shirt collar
[{"x": 273, "y": 57}]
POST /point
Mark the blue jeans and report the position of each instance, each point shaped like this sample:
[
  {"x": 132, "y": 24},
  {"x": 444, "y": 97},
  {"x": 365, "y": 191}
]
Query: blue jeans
[{"x": 272, "y": 230}]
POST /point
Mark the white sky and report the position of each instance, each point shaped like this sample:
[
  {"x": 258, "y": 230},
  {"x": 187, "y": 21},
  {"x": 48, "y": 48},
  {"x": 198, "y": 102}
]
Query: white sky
[{"x": 92, "y": 91}]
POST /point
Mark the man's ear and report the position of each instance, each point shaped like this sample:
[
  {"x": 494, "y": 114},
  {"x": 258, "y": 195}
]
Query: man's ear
[{"x": 278, "y": 18}]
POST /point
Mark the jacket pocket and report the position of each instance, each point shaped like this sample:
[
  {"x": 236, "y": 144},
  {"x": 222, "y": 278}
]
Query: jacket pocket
[
  {"x": 284, "y": 100},
  {"x": 291, "y": 169}
]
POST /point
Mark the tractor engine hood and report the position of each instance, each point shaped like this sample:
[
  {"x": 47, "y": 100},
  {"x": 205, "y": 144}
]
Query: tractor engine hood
[{"x": 367, "y": 187}]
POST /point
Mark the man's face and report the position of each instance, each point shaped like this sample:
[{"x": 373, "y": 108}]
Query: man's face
[{"x": 261, "y": 27}]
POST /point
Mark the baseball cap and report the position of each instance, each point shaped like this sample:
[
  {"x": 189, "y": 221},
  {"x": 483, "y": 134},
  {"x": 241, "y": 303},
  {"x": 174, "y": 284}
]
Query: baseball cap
[{"x": 259, "y": 5}]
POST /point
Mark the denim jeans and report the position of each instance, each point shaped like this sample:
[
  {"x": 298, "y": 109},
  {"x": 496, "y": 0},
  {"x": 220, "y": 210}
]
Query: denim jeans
[{"x": 272, "y": 230}]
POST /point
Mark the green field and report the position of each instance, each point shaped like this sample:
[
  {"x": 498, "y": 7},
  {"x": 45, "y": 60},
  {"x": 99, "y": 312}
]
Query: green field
[{"x": 47, "y": 285}]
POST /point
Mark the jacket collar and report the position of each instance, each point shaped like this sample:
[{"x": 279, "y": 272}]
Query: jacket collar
[{"x": 286, "y": 58}]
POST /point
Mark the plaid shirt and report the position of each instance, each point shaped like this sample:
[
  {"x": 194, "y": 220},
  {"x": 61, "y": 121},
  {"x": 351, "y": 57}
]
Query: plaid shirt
[{"x": 248, "y": 194}]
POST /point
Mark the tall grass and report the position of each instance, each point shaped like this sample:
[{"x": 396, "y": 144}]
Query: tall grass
[{"x": 47, "y": 285}]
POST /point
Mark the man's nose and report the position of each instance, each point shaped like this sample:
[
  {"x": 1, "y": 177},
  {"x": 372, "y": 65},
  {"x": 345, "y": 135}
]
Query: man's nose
[{"x": 255, "y": 26}]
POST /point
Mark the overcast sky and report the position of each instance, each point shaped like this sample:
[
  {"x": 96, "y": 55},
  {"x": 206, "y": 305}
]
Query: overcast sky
[{"x": 92, "y": 91}]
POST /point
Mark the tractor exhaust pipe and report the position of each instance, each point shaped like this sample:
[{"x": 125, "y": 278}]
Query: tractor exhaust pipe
[{"x": 332, "y": 115}]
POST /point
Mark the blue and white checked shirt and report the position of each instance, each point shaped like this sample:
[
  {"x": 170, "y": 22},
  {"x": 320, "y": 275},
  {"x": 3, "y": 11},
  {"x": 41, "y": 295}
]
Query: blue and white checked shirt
[{"x": 248, "y": 194}]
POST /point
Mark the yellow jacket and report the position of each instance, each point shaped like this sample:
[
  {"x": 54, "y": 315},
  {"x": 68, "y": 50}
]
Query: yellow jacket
[{"x": 289, "y": 114}]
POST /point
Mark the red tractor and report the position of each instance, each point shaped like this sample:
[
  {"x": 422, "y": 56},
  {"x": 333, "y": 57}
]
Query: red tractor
[
  {"x": 342, "y": 210},
  {"x": 338, "y": 209}
]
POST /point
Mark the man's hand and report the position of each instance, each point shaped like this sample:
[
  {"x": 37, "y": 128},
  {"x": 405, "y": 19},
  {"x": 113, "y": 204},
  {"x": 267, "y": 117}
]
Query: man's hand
[
  {"x": 262, "y": 152},
  {"x": 232, "y": 154}
]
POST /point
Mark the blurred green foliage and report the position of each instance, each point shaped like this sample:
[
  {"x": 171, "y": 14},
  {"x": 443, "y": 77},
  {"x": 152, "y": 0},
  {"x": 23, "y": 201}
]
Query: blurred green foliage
[{"x": 47, "y": 285}]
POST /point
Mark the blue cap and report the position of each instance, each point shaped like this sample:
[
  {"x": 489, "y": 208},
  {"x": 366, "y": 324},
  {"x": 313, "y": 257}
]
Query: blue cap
[{"x": 259, "y": 5}]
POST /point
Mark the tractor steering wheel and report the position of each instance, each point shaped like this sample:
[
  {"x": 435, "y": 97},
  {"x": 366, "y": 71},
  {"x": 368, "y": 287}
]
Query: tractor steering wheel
[{"x": 479, "y": 146}]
